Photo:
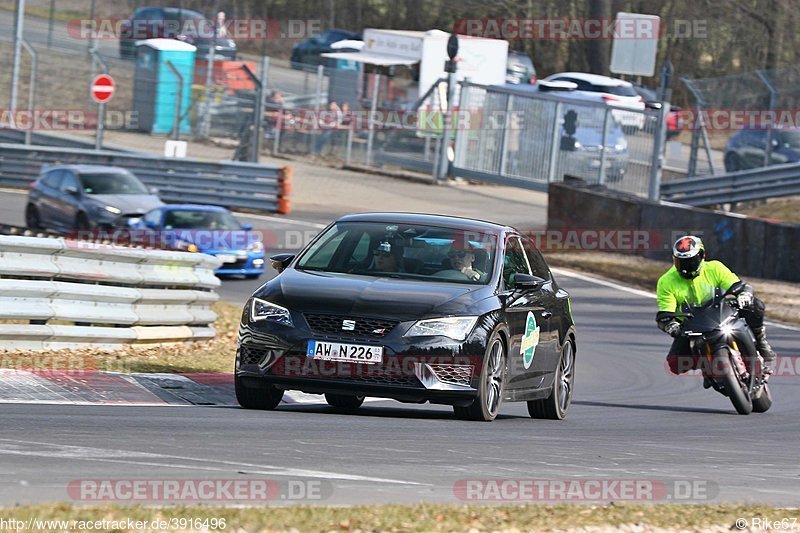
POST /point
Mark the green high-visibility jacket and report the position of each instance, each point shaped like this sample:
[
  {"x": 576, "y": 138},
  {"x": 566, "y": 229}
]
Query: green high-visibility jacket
[{"x": 674, "y": 290}]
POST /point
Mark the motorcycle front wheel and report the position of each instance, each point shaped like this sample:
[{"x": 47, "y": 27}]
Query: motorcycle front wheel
[{"x": 734, "y": 388}]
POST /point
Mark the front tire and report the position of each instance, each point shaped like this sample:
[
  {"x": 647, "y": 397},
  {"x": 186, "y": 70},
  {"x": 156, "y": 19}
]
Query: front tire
[
  {"x": 733, "y": 386},
  {"x": 493, "y": 382},
  {"x": 32, "y": 218},
  {"x": 555, "y": 406},
  {"x": 263, "y": 398},
  {"x": 344, "y": 401}
]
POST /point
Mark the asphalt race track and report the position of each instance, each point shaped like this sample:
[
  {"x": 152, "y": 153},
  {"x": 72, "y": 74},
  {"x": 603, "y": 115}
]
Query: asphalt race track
[{"x": 630, "y": 420}]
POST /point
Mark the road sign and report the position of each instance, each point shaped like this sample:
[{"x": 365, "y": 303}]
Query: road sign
[
  {"x": 102, "y": 88},
  {"x": 635, "y": 44}
]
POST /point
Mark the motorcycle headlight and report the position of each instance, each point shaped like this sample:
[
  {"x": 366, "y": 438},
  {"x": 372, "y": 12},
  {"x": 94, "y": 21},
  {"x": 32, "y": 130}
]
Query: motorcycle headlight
[
  {"x": 264, "y": 310},
  {"x": 455, "y": 327},
  {"x": 256, "y": 246}
]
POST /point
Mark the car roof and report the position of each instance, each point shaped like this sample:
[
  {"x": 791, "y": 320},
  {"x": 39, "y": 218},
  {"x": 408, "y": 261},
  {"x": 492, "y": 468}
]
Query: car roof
[
  {"x": 193, "y": 207},
  {"x": 450, "y": 222},
  {"x": 594, "y": 79},
  {"x": 85, "y": 168}
]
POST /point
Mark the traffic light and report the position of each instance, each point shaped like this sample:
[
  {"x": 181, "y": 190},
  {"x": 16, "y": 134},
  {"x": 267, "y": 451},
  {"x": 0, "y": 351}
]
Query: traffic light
[{"x": 570, "y": 122}]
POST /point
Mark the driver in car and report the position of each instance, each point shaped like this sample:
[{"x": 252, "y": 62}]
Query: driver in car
[
  {"x": 462, "y": 257},
  {"x": 692, "y": 280},
  {"x": 388, "y": 257}
]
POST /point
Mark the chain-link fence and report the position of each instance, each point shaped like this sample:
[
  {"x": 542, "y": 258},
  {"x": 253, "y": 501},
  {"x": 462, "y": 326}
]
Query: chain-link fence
[{"x": 743, "y": 121}]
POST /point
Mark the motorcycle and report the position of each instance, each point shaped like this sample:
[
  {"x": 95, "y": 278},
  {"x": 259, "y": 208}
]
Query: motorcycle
[{"x": 726, "y": 346}]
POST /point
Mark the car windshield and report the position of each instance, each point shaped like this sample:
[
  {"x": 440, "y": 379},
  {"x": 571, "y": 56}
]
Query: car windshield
[
  {"x": 196, "y": 219},
  {"x": 405, "y": 251},
  {"x": 112, "y": 183},
  {"x": 790, "y": 138},
  {"x": 618, "y": 90}
]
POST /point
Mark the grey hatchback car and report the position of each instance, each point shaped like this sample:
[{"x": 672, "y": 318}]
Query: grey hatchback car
[{"x": 84, "y": 197}]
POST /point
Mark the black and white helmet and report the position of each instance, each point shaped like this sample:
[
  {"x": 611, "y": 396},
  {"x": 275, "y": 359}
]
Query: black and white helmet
[{"x": 688, "y": 255}]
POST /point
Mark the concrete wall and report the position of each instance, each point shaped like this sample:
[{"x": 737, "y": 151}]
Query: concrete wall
[{"x": 749, "y": 246}]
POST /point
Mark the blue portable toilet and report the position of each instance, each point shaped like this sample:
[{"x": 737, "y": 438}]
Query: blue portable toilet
[{"x": 155, "y": 86}]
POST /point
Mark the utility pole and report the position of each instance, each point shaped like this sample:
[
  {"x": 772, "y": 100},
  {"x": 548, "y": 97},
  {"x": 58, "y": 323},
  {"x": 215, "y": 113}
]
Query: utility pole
[
  {"x": 450, "y": 67},
  {"x": 18, "y": 28}
]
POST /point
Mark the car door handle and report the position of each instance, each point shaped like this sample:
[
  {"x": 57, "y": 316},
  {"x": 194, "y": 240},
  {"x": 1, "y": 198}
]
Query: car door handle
[{"x": 546, "y": 314}]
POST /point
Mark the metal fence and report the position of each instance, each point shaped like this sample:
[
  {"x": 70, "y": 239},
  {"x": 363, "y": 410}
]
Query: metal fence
[
  {"x": 229, "y": 184},
  {"x": 776, "y": 90},
  {"x": 530, "y": 139},
  {"x": 57, "y": 293}
]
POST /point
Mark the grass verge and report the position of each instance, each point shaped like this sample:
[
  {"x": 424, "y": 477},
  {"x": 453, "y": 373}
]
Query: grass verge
[
  {"x": 781, "y": 297},
  {"x": 783, "y": 209},
  {"x": 428, "y": 518}
]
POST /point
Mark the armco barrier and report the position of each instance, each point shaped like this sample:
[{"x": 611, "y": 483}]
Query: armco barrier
[
  {"x": 749, "y": 246},
  {"x": 57, "y": 293},
  {"x": 230, "y": 184},
  {"x": 740, "y": 186}
]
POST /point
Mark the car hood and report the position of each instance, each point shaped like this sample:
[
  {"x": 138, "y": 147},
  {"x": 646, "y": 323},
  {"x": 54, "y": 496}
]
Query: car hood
[
  {"x": 347, "y": 294},
  {"x": 129, "y": 204}
]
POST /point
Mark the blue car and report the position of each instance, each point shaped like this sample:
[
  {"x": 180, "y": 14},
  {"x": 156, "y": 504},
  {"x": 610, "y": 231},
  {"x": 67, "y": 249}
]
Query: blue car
[{"x": 208, "y": 229}]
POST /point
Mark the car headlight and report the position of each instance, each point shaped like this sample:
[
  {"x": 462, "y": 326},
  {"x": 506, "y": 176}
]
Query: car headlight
[
  {"x": 264, "y": 310},
  {"x": 101, "y": 210},
  {"x": 186, "y": 246},
  {"x": 454, "y": 327},
  {"x": 255, "y": 246}
]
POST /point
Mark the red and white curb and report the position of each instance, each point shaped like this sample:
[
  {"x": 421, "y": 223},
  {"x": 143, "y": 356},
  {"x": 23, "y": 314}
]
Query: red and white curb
[{"x": 109, "y": 388}]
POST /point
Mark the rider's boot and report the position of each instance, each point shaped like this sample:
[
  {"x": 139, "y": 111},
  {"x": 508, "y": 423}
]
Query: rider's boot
[{"x": 764, "y": 349}]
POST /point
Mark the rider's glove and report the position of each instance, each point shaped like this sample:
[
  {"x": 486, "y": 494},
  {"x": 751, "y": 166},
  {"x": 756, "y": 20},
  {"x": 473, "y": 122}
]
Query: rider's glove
[
  {"x": 744, "y": 299},
  {"x": 673, "y": 329}
]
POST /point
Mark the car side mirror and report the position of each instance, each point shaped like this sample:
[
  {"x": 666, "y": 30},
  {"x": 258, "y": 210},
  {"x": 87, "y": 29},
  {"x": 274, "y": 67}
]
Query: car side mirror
[
  {"x": 281, "y": 261},
  {"x": 153, "y": 190},
  {"x": 526, "y": 282},
  {"x": 72, "y": 190},
  {"x": 151, "y": 224},
  {"x": 247, "y": 227}
]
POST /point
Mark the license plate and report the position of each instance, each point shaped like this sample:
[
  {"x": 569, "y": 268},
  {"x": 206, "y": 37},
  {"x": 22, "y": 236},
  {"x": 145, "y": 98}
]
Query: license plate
[
  {"x": 353, "y": 353},
  {"x": 227, "y": 258}
]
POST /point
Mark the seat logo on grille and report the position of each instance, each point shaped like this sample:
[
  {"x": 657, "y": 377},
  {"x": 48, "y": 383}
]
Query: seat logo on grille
[{"x": 348, "y": 325}]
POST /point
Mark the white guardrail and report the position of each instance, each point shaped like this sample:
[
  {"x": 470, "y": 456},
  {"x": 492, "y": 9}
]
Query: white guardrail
[{"x": 58, "y": 293}]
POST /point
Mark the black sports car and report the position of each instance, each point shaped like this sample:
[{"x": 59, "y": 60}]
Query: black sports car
[{"x": 411, "y": 307}]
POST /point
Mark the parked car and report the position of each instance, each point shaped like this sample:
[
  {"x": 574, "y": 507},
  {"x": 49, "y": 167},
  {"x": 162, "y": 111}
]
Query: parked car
[
  {"x": 414, "y": 308},
  {"x": 519, "y": 68},
  {"x": 308, "y": 52},
  {"x": 748, "y": 148},
  {"x": 619, "y": 94},
  {"x": 207, "y": 229},
  {"x": 675, "y": 119},
  {"x": 83, "y": 197},
  {"x": 175, "y": 23}
]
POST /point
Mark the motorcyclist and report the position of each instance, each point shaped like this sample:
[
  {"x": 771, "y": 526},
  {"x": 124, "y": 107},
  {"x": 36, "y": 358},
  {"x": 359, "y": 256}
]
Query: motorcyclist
[{"x": 693, "y": 280}]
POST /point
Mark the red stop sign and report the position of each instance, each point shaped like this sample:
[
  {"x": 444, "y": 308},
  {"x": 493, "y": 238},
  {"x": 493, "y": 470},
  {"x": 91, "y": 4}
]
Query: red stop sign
[{"x": 102, "y": 88}]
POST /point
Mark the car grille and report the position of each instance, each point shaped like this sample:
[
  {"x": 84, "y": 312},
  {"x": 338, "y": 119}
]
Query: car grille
[
  {"x": 291, "y": 365},
  {"x": 364, "y": 327},
  {"x": 454, "y": 374},
  {"x": 263, "y": 357}
]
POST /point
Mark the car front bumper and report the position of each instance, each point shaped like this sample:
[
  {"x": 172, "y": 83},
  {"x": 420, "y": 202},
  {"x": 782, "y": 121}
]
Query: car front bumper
[{"x": 415, "y": 370}]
